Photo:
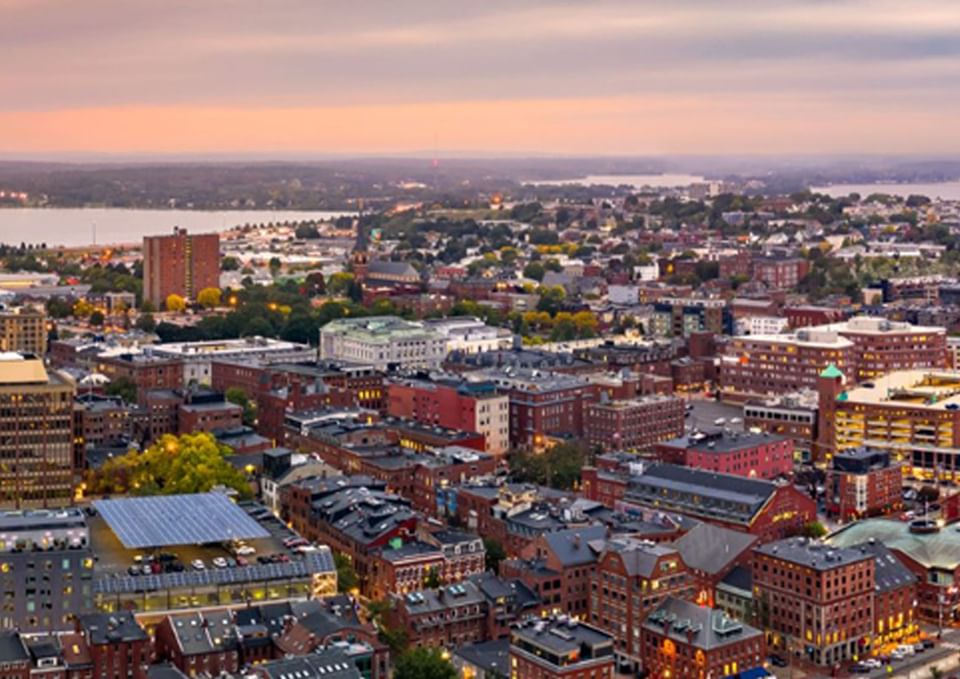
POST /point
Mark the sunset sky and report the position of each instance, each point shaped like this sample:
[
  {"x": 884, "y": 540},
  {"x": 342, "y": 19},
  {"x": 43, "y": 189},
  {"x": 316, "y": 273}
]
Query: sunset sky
[{"x": 285, "y": 77}]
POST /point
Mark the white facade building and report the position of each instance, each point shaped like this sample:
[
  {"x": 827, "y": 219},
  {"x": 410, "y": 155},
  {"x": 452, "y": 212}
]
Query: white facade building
[{"x": 383, "y": 342}]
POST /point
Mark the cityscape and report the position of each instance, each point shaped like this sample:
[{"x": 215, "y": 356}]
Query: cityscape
[{"x": 554, "y": 341}]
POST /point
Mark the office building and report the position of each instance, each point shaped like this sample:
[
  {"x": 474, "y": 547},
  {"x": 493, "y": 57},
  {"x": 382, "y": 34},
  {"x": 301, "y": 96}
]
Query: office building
[
  {"x": 634, "y": 423},
  {"x": 560, "y": 648},
  {"x": 36, "y": 433},
  {"x": 384, "y": 342},
  {"x": 816, "y": 599},
  {"x": 756, "y": 456},
  {"x": 179, "y": 264},
  {"x": 23, "y": 330},
  {"x": 863, "y": 482}
]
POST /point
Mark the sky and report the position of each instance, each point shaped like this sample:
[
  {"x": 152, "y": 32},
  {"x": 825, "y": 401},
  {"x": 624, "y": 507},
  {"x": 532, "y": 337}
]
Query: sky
[{"x": 638, "y": 77}]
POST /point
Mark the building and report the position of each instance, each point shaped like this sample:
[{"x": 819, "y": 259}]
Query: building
[
  {"x": 560, "y": 648},
  {"x": 756, "y": 366},
  {"x": 179, "y": 264},
  {"x": 816, "y": 599},
  {"x": 199, "y": 643},
  {"x": 197, "y": 357},
  {"x": 543, "y": 404},
  {"x": 36, "y": 433},
  {"x": 484, "y": 660},
  {"x": 780, "y": 273},
  {"x": 883, "y": 346},
  {"x": 557, "y": 567},
  {"x": 895, "y": 603},
  {"x": 757, "y": 456},
  {"x": 454, "y": 404},
  {"x": 23, "y": 330},
  {"x": 926, "y": 550},
  {"x": 143, "y": 369},
  {"x": 119, "y": 647},
  {"x": 633, "y": 424},
  {"x": 761, "y": 325},
  {"x": 384, "y": 342},
  {"x": 711, "y": 553},
  {"x": 763, "y": 508},
  {"x": 863, "y": 482},
  {"x": 46, "y": 569},
  {"x": 630, "y": 579},
  {"x": 446, "y": 617},
  {"x": 207, "y": 411},
  {"x": 790, "y": 415},
  {"x": 471, "y": 335},
  {"x": 682, "y": 639},
  {"x": 913, "y": 414},
  {"x": 681, "y": 317},
  {"x": 324, "y": 663}
]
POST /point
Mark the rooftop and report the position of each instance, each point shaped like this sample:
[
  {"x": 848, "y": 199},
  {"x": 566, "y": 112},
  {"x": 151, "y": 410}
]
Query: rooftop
[
  {"x": 937, "y": 549},
  {"x": 689, "y": 623},
  {"x": 379, "y": 329},
  {"x": 813, "y": 553},
  {"x": 929, "y": 389},
  {"x": 720, "y": 441},
  {"x": 18, "y": 368}
]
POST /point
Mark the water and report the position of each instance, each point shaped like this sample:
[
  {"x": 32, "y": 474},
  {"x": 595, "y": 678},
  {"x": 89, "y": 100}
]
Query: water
[
  {"x": 75, "y": 226},
  {"x": 944, "y": 190},
  {"x": 637, "y": 181}
]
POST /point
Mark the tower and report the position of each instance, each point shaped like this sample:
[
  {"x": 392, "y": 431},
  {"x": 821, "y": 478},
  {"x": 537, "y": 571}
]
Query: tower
[
  {"x": 360, "y": 257},
  {"x": 830, "y": 388}
]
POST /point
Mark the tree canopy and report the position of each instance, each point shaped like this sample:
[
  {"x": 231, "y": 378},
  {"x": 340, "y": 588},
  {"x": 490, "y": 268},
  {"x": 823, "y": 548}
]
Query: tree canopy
[
  {"x": 191, "y": 463},
  {"x": 424, "y": 663}
]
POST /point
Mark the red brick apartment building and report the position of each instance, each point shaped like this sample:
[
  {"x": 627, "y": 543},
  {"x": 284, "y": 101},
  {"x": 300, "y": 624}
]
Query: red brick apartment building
[
  {"x": 635, "y": 423},
  {"x": 757, "y": 456},
  {"x": 455, "y": 404},
  {"x": 780, "y": 273},
  {"x": 560, "y": 648},
  {"x": 144, "y": 370},
  {"x": 815, "y": 598},
  {"x": 683, "y": 640},
  {"x": 631, "y": 578},
  {"x": 863, "y": 482},
  {"x": 119, "y": 647},
  {"x": 199, "y": 643},
  {"x": 179, "y": 264}
]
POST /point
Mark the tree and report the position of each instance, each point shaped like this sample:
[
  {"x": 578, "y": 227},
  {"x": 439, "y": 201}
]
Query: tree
[
  {"x": 123, "y": 387},
  {"x": 191, "y": 463},
  {"x": 424, "y": 663},
  {"x": 146, "y": 322},
  {"x": 339, "y": 283},
  {"x": 551, "y": 297},
  {"x": 347, "y": 579},
  {"x": 275, "y": 265},
  {"x": 558, "y": 467},
  {"x": 229, "y": 264},
  {"x": 534, "y": 270},
  {"x": 97, "y": 318},
  {"x": 814, "y": 529},
  {"x": 495, "y": 553},
  {"x": 209, "y": 297},
  {"x": 83, "y": 309},
  {"x": 238, "y": 396},
  {"x": 176, "y": 303}
]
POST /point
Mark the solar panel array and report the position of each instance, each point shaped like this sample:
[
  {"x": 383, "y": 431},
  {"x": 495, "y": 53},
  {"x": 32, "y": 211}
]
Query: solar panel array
[
  {"x": 318, "y": 562},
  {"x": 169, "y": 520}
]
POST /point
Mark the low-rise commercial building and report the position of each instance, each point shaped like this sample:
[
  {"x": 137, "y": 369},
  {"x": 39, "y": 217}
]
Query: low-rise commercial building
[
  {"x": 756, "y": 456},
  {"x": 385, "y": 342},
  {"x": 634, "y": 423},
  {"x": 560, "y": 648},
  {"x": 863, "y": 482}
]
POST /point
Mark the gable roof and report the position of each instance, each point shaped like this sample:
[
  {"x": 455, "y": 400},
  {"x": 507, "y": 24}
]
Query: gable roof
[{"x": 712, "y": 549}]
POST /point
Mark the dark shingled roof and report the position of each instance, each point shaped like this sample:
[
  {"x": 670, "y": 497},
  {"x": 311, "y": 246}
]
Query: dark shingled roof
[
  {"x": 706, "y": 628},
  {"x": 813, "y": 553},
  {"x": 12, "y": 648},
  {"x": 490, "y": 656},
  {"x": 712, "y": 549}
]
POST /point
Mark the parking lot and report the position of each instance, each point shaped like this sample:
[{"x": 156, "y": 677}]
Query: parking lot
[{"x": 706, "y": 413}]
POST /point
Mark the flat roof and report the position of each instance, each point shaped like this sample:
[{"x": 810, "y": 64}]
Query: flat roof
[
  {"x": 168, "y": 520},
  {"x": 922, "y": 388},
  {"x": 18, "y": 368}
]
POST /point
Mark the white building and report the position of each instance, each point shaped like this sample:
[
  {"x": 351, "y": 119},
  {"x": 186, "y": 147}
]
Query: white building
[
  {"x": 623, "y": 295},
  {"x": 761, "y": 325},
  {"x": 198, "y": 357},
  {"x": 383, "y": 342},
  {"x": 471, "y": 335}
]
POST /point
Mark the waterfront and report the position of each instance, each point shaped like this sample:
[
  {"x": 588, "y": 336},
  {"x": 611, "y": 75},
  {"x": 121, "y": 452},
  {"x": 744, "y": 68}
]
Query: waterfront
[
  {"x": 86, "y": 226},
  {"x": 944, "y": 190}
]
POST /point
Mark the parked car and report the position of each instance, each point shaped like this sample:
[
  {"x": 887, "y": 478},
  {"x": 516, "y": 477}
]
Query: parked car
[
  {"x": 777, "y": 661},
  {"x": 198, "y": 564},
  {"x": 245, "y": 550},
  {"x": 929, "y": 643}
]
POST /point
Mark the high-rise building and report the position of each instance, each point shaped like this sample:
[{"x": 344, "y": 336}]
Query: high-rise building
[
  {"x": 23, "y": 329},
  {"x": 179, "y": 264},
  {"x": 36, "y": 433}
]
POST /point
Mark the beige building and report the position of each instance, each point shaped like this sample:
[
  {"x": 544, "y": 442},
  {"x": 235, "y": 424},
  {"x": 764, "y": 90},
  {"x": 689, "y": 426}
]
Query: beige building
[
  {"x": 36, "y": 433},
  {"x": 23, "y": 329}
]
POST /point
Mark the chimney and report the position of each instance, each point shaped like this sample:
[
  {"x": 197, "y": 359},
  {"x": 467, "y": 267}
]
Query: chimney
[{"x": 576, "y": 540}]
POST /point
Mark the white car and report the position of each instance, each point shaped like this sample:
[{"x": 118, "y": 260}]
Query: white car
[
  {"x": 220, "y": 562},
  {"x": 245, "y": 550},
  {"x": 720, "y": 421},
  {"x": 735, "y": 420},
  {"x": 897, "y": 654},
  {"x": 198, "y": 565},
  {"x": 873, "y": 663}
]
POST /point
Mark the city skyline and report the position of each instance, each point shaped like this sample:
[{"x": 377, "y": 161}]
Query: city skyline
[{"x": 560, "y": 78}]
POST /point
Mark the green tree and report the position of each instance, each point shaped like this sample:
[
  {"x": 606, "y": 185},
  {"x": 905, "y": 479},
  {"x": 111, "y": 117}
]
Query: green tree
[
  {"x": 123, "y": 387},
  {"x": 229, "y": 264},
  {"x": 209, "y": 297},
  {"x": 191, "y": 463},
  {"x": 551, "y": 298},
  {"x": 495, "y": 553},
  {"x": 424, "y": 663},
  {"x": 558, "y": 467},
  {"x": 339, "y": 283},
  {"x": 347, "y": 579},
  {"x": 275, "y": 265},
  {"x": 97, "y": 318},
  {"x": 146, "y": 322},
  {"x": 238, "y": 396},
  {"x": 534, "y": 270},
  {"x": 814, "y": 529}
]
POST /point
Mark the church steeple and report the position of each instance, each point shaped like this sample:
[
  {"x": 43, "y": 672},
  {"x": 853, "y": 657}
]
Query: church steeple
[{"x": 360, "y": 258}]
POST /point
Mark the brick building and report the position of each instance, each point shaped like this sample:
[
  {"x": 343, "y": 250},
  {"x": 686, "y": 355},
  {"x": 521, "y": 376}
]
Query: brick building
[
  {"x": 179, "y": 264},
  {"x": 684, "y": 640},
  {"x": 560, "y": 648},
  {"x": 863, "y": 482},
  {"x": 199, "y": 643},
  {"x": 145, "y": 370},
  {"x": 454, "y": 404},
  {"x": 780, "y": 273},
  {"x": 711, "y": 553},
  {"x": 631, "y": 578},
  {"x": 816, "y": 599},
  {"x": 635, "y": 423},
  {"x": 757, "y": 456},
  {"x": 119, "y": 647},
  {"x": 790, "y": 415},
  {"x": 23, "y": 330}
]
